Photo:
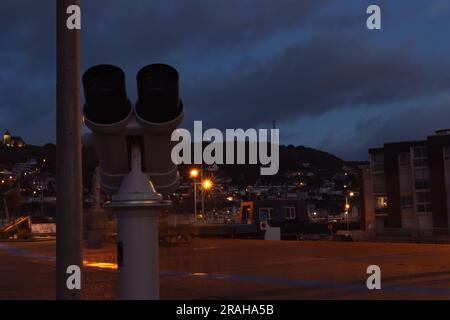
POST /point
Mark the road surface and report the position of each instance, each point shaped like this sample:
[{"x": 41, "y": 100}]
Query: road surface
[{"x": 245, "y": 269}]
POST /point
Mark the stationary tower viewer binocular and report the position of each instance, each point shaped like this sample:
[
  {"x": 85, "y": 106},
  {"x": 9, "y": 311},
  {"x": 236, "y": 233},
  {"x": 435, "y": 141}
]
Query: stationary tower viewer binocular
[{"x": 115, "y": 123}]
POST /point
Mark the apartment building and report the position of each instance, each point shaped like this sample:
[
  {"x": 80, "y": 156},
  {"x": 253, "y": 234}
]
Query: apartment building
[{"x": 406, "y": 186}]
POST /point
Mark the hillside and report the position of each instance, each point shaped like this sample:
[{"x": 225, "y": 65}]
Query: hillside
[
  {"x": 292, "y": 159},
  {"x": 10, "y": 156}
]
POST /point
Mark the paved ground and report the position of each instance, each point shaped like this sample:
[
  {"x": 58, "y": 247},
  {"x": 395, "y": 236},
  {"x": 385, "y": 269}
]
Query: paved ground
[{"x": 245, "y": 269}]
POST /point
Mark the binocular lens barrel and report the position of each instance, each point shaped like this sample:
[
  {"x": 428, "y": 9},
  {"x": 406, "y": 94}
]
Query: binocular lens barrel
[
  {"x": 158, "y": 92},
  {"x": 105, "y": 94}
]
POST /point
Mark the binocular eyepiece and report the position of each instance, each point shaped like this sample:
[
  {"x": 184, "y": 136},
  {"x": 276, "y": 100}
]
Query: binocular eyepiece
[
  {"x": 112, "y": 119},
  {"x": 158, "y": 92},
  {"x": 106, "y": 97},
  {"x": 105, "y": 94}
]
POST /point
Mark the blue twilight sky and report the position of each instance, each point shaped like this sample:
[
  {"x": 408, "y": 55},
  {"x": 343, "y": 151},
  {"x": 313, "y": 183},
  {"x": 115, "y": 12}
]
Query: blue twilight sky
[{"x": 311, "y": 65}]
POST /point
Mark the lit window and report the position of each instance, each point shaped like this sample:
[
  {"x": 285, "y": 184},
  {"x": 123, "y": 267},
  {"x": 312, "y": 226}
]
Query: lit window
[{"x": 381, "y": 203}]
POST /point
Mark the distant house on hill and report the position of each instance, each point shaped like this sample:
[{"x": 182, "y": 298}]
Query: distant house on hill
[{"x": 11, "y": 141}]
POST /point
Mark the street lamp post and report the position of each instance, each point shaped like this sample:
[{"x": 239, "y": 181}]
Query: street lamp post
[
  {"x": 42, "y": 199},
  {"x": 195, "y": 201},
  {"x": 202, "y": 190},
  {"x": 206, "y": 185},
  {"x": 203, "y": 201},
  {"x": 194, "y": 174},
  {"x": 347, "y": 209}
]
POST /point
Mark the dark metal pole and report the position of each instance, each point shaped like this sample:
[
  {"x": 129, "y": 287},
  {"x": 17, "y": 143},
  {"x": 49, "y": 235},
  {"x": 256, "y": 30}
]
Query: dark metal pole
[
  {"x": 68, "y": 153},
  {"x": 195, "y": 200},
  {"x": 42, "y": 198}
]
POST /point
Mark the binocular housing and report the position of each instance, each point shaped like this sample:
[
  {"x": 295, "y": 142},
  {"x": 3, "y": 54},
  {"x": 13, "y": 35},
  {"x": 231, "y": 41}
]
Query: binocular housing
[{"x": 113, "y": 120}]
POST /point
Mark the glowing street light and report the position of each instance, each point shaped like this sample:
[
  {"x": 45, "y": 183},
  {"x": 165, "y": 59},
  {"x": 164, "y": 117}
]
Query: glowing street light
[
  {"x": 194, "y": 173},
  {"x": 207, "y": 184}
]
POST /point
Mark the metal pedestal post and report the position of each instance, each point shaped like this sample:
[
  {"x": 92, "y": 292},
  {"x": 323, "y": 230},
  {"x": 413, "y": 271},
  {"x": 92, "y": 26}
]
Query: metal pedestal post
[
  {"x": 138, "y": 254},
  {"x": 137, "y": 207}
]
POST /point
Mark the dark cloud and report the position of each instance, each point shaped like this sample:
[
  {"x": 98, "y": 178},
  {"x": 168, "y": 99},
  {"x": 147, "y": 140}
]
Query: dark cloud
[
  {"x": 152, "y": 28},
  {"x": 313, "y": 77},
  {"x": 129, "y": 33},
  {"x": 27, "y": 64},
  {"x": 243, "y": 63},
  {"x": 414, "y": 123}
]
